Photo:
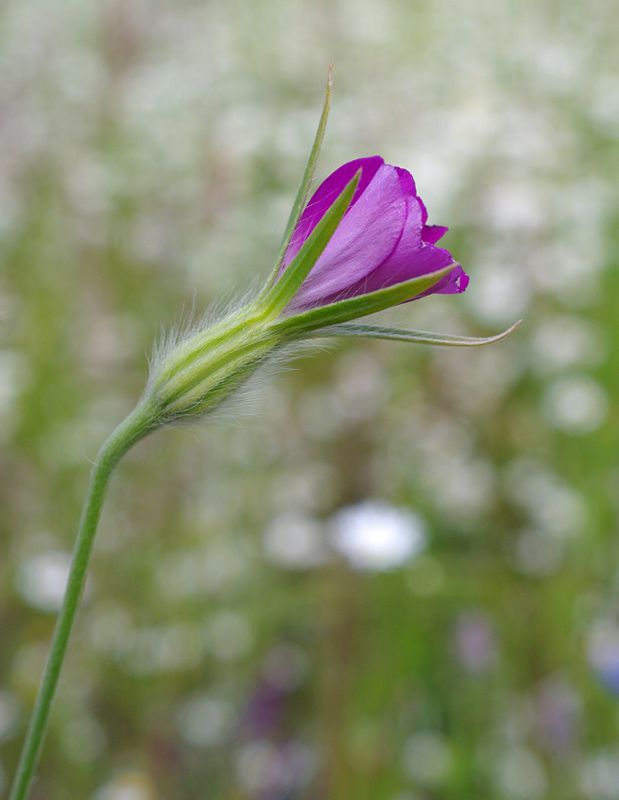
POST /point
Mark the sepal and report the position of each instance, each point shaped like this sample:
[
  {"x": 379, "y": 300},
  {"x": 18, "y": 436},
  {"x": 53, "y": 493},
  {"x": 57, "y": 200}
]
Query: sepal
[
  {"x": 300, "y": 267},
  {"x": 404, "y": 335},
  {"x": 297, "y": 325},
  {"x": 302, "y": 192}
]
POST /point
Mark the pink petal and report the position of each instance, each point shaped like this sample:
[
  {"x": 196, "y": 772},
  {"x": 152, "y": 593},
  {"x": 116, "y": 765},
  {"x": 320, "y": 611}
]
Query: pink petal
[
  {"x": 323, "y": 198},
  {"x": 432, "y": 233},
  {"x": 411, "y": 258},
  {"x": 366, "y": 237},
  {"x": 407, "y": 182}
]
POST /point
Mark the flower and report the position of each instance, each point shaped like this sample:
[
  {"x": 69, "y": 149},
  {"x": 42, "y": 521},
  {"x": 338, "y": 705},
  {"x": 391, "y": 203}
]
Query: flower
[
  {"x": 382, "y": 239},
  {"x": 376, "y": 536},
  {"x": 360, "y": 245},
  {"x": 603, "y": 653}
]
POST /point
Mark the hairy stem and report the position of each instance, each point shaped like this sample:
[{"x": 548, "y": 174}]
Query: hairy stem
[{"x": 137, "y": 425}]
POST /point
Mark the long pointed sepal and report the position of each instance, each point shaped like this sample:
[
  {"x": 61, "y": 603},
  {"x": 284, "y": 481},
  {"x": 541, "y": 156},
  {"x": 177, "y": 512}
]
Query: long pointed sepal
[
  {"x": 302, "y": 264},
  {"x": 404, "y": 335},
  {"x": 306, "y": 180}
]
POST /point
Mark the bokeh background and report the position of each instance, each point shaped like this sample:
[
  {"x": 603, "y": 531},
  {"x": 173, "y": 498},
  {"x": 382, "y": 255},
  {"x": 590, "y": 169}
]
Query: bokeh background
[{"x": 395, "y": 574}]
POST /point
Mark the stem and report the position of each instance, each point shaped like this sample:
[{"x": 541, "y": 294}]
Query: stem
[{"x": 137, "y": 425}]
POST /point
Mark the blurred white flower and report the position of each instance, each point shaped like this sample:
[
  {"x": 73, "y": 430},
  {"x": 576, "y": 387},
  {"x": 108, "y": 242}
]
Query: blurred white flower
[
  {"x": 565, "y": 342},
  {"x": 554, "y": 507},
  {"x": 576, "y": 404},
  {"x": 600, "y": 777},
  {"x": 376, "y": 536},
  {"x": 203, "y": 720},
  {"x": 498, "y": 294},
  {"x": 427, "y": 758},
  {"x": 294, "y": 541},
  {"x": 41, "y": 580},
  {"x": 521, "y": 775},
  {"x": 515, "y": 205},
  {"x": 129, "y": 785}
]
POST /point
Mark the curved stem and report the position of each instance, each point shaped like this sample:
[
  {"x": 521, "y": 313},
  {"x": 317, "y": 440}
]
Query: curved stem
[{"x": 137, "y": 425}]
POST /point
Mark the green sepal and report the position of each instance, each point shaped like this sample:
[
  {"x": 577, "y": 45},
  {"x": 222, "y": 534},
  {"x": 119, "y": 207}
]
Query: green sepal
[
  {"x": 345, "y": 310},
  {"x": 404, "y": 335},
  {"x": 300, "y": 267},
  {"x": 306, "y": 180}
]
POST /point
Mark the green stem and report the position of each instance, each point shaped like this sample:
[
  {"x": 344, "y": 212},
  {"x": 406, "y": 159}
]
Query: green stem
[{"x": 137, "y": 425}]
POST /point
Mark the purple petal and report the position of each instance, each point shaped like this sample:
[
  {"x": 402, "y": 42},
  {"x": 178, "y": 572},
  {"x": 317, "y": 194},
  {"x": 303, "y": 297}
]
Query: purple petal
[
  {"x": 424, "y": 210},
  {"x": 324, "y": 197},
  {"x": 409, "y": 259},
  {"x": 453, "y": 283},
  {"x": 366, "y": 237},
  {"x": 412, "y": 257},
  {"x": 432, "y": 233},
  {"x": 382, "y": 240},
  {"x": 407, "y": 182}
]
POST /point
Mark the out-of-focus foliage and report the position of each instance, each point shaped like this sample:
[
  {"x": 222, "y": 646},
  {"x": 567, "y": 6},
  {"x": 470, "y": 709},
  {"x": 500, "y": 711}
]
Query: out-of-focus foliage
[{"x": 397, "y": 577}]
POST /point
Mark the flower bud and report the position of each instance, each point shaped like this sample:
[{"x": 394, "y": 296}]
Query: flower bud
[
  {"x": 360, "y": 245},
  {"x": 195, "y": 375}
]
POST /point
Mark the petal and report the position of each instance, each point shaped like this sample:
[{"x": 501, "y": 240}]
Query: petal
[
  {"x": 365, "y": 239},
  {"x": 424, "y": 211},
  {"x": 432, "y": 233},
  {"x": 411, "y": 258},
  {"x": 407, "y": 182},
  {"x": 454, "y": 283},
  {"x": 323, "y": 198},
  {"x": 416, "y": 255}
]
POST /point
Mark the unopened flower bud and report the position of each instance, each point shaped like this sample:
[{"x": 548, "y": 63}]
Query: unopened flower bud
[
  {"x": 197, "y": 374},
  {"x": 360, "y": 245}
]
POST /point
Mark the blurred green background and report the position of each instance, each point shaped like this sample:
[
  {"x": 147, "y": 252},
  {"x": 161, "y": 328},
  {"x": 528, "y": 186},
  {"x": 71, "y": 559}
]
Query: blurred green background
[{"x": 395, "y": 574}]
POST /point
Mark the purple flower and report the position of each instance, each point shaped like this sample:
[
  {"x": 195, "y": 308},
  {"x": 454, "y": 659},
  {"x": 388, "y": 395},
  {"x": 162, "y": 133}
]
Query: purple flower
[
  {"x": 381, "y": 241},
  {"x": 475, "y": 642}
]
